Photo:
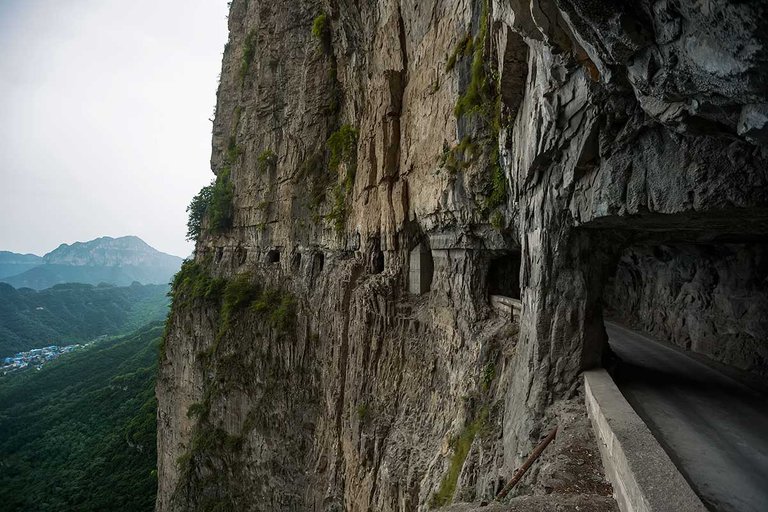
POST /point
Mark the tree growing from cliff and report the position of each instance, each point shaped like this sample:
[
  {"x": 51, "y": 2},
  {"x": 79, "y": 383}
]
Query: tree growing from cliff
[
  {"x": 196, "y": 211},
  {"x": 214, "y": 202}
]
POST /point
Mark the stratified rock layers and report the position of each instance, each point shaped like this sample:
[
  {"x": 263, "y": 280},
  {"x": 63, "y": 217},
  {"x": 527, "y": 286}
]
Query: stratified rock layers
[{"x": 393, "y": 163}]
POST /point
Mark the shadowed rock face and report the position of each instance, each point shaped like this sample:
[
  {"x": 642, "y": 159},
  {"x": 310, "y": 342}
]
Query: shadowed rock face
[
  {"x": 711, "y": 299},
  {"x": 561, "y": 132}
]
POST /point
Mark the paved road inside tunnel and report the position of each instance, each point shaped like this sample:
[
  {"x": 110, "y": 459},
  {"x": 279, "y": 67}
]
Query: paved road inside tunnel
[{"x": 714, "y": 428}]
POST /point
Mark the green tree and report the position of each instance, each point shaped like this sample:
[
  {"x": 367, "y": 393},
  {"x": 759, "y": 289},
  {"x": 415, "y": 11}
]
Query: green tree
[{"x": 197, "y": 210}]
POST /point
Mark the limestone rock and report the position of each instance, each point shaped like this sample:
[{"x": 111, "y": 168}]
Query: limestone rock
[{"x": 545, "y": 148}]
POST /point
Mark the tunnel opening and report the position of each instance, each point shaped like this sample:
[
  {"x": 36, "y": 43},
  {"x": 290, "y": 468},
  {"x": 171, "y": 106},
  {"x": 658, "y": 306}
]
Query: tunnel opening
[
  {"x": 504, "y": 275},
  {"x": 296, "y": 262},
  {"x": 377, "y": 262},
  {"x": 421, "y": 269},
  {"x": 709, "y": 298},
  {"x": 684, "y": 311},
  {"x": 318, "y": 262},
  {"x": 273, "y": 256},
  {"x": 503, "y": 284},
  {"x": 376, "y": 258}
]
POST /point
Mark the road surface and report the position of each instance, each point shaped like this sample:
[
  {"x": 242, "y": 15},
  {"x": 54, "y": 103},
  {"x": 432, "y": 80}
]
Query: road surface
[{"x": 714, "y": 428}]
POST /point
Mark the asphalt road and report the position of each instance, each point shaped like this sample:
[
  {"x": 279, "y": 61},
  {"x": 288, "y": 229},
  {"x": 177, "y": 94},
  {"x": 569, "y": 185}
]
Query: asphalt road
[{"x": 714, "y": 428}]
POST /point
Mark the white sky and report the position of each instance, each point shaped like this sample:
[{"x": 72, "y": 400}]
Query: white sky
[{"x": 104, "y": 118}]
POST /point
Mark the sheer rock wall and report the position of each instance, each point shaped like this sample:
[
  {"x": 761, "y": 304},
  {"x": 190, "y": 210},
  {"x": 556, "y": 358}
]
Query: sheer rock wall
[{"x": 561, "y": 130}]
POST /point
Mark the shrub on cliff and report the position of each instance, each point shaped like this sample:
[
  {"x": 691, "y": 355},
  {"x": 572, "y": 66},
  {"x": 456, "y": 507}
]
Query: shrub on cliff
[
  {"x": 221, "y": 209},
  {"x": 266, "y": 161},
  {"x": 321, "y": 29},
  {"x": 249, "y": 52},
  {"x": 196, "y": 211},
  {"x": 215, "y": 202},
  {"x": 193, "y": 281},
  {"x": 342, "y": 145}
]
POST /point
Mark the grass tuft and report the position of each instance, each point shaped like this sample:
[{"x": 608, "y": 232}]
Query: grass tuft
[
  {"x": 461, "y": 446},
  {"x": 321, "y": 30}
]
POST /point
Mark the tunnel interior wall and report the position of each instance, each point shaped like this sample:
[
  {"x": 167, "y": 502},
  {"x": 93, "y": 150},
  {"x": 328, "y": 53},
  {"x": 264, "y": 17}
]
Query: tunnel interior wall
[{"x": 708, "y": 298}]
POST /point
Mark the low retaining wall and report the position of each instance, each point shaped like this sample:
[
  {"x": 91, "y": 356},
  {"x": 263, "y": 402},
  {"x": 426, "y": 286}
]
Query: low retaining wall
[
  {"x": 506, "y": 306},
  {"x": 643, "y": 476}
]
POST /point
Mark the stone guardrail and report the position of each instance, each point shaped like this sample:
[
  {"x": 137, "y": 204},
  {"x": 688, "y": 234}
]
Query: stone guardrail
[{"x": 643, "y": 476}]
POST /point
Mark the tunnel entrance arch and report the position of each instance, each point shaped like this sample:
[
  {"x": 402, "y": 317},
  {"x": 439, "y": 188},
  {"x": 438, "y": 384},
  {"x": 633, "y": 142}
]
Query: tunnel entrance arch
[
  {"x": 504, "y": 275},
  {"x": 503, "y": 284}
]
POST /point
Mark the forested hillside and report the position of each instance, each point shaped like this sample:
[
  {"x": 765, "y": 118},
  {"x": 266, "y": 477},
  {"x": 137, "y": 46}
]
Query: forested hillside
[
  {"x": 79, "y": 435},
  {"x": 71, "y": 313}
]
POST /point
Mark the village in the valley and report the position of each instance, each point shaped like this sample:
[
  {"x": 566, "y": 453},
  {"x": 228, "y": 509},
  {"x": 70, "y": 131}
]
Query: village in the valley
[{"x": 37, "y": 357}]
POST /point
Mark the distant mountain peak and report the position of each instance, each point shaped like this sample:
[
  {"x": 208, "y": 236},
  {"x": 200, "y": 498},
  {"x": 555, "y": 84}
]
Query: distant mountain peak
[
  {"x": 108, "y": 251},
  {"x": 117, "y": 261}
]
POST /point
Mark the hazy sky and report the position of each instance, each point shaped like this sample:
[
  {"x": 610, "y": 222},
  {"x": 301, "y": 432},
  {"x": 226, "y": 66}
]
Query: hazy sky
[{"x": 104, "y": 118}]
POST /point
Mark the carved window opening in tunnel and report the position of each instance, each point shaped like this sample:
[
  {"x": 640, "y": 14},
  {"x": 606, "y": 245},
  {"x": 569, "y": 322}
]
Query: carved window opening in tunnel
[
  {"x": 708, "y": 298},
  {"x": 504, "y": 275},
  {"x": 377, "y": 262},
  {"x": 318, "y": 261},
  {"x": 421, "y": 270},
  {"x": 273, "y": 256},
  {"x": 241, "y": 254}
]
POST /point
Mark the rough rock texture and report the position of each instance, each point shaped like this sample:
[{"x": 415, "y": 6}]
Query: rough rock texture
[
  {"x": 549, "y": 134},
  {"x": 711, "y": 299}
]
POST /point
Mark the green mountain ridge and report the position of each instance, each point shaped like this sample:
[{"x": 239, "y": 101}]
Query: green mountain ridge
[
  {"x": 46, "y": 276},
  {"x": 80, "y": 434},
  {"x": 72, "y": 313}
]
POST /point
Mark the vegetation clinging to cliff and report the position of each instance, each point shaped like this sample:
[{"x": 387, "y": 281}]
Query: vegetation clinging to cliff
[
  {"x": 213, "y": 202},
  {"x": 321, "y": 29},
  {"x": 221, "y": 208},
  {"x": 266, "y": 160},
  {"x": 481, "y": 99},
  {"x": 237, "y": 294},
  {"x": 480, "y": 95},
  {"x": 342, "y": 146},
  {"x": 249, "y": 52},
  {"x": 193, "y": 282},
  {"x": 241, "y": 305},
  {"x": 462, "y": 49},
  {"x": 461, "y": 446},
  {"x": 196, "y": 211}
]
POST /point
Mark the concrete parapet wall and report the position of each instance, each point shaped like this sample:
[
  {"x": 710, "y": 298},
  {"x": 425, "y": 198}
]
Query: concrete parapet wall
[{"x": 643, "y": 476}]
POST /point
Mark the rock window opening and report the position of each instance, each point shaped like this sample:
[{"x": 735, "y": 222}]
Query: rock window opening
[
  {"x": 377, "y": 262},
  {"x": 421, "y": 270},
  {"x": 504, "y": 276},
  {"x": 273, "y": 256},
  {"x": 318, "y": 261},
  {"x": 296, "y": 262}
]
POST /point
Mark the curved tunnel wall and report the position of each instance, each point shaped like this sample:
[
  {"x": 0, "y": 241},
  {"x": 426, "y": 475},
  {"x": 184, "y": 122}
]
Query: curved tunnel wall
[{"x": 708, "y": 298}]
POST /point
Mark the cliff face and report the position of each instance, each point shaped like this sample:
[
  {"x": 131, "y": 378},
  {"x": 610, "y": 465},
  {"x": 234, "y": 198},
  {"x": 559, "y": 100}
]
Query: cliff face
[{"x": 393, "y": 163}]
